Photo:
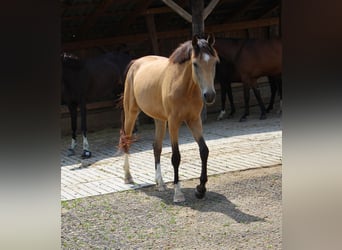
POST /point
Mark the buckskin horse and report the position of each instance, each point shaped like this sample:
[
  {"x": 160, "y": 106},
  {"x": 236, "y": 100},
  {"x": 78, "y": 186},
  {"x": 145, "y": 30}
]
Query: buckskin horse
[
  {"x": 245, "y": 61},
  {"x": 171, "y": 91},
  {"x": 90, "y": 80}
]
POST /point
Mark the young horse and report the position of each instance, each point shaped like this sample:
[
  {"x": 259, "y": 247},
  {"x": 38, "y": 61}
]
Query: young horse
[
  {"x": 90, "y": 80},
  {"x": 171, "y": 90},
  {"x": 245, "y": 61}
]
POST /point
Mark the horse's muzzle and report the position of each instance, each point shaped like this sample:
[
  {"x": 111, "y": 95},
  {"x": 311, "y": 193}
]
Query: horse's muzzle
[{"x": 209, "y": 97}]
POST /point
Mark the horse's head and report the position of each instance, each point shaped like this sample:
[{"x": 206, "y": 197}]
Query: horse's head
[{"x": 204, "y": 58}]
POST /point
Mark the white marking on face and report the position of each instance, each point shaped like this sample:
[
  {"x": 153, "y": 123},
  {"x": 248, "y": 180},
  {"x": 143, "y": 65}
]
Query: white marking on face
[{"x": 206, "y": 57}]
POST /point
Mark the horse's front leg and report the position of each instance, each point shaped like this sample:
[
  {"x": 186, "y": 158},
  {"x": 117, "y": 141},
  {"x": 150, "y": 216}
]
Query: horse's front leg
[
  {"x": 260, "y": 102},
  {"x": 246, "y": 90},
  {"x": 175, "y": 159},
  {"x": 196, "y": 129},
  {"x": 160, "y": 127},
  {"x": 86, "y": 152}
]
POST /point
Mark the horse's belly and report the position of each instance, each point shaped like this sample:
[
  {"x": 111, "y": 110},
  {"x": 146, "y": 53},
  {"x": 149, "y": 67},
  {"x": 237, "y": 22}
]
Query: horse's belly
[{"x": 149, "y": 99}]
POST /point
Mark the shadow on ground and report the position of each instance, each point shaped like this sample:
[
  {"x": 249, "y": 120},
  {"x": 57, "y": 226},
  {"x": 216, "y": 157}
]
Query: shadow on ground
[{"x": 212, "y": 202}]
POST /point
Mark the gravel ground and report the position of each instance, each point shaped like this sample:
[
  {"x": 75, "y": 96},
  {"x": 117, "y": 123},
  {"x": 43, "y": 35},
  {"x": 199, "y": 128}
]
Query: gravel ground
[{"x": 241, "y": 210}]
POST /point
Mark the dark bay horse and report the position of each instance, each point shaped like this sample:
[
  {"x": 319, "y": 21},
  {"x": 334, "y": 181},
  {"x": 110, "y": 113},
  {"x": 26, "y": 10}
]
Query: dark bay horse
[
  {"x": 245, "y": 61},
  {"x": 171, "y": 91},
  {"x": 90, "y": 80}
]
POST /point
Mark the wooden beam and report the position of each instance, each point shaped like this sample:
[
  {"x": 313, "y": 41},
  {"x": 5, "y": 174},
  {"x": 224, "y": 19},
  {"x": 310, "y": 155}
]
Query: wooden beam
[
  {"x": 179, "y": 10},
  {"x": 152, "y": 33},
  {"x": 170, "y": 34},
  {"x": 210, "y": 7}
]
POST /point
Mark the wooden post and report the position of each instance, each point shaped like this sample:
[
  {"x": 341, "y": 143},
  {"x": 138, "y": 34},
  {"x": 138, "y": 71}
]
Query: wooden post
[
  {"x": 153, "y": 33},
  {"x": 197, "y": 7}
]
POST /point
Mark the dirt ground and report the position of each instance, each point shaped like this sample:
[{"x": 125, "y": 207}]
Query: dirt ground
[{"x": 241, "y": 210}]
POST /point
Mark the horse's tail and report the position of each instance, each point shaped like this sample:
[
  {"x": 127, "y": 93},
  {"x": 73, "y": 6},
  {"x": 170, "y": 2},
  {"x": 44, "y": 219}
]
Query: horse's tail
[{"x": 125, "y": 141}]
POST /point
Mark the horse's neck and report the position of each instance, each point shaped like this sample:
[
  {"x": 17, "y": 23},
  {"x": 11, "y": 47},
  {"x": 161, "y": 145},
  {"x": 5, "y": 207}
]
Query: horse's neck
[{"x": 184, "y": 72}]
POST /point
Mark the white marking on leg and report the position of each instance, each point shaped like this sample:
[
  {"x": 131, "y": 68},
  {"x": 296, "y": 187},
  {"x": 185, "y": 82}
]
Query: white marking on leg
[
  {"x": 85, "y": 143},
  {"x": 128, "y": 177},
  {"x": 73, "y": 143},
  {"x": 159, "y": 179},
  {"x": 179, "y": 196},
  {"x": 220, "y": 116}
]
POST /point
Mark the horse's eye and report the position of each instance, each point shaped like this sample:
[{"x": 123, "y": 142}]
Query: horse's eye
[{"x": 195, "y": 65}]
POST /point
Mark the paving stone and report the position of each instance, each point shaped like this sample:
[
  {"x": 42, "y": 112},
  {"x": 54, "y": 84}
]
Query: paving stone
[{"x": 233, "y": 146}]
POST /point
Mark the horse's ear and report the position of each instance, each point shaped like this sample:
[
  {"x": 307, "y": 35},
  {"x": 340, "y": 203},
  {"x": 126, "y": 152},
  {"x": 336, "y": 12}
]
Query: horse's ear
[
  {"x": 195, "y": 41},
  {"x": 211, "y": 39}
]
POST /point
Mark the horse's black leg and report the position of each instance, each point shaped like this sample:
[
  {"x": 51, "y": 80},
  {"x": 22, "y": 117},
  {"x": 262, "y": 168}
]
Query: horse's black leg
[
  {"x": 261, "y": 103},
  {"x": 73, "y": 116},
  {"x": 204, "y": 153},
  {"x": 246, "y": 99},
  {"x": 175, "y": 159},
  {"x": 197, "y": 132},
  {"x": 86, "y": 153},
  {"x": 280, "y": 91},
  {"x": 223, "y": 100},
  {"x": 273, "y": 86},
  {"x": 231, "y": 100}
]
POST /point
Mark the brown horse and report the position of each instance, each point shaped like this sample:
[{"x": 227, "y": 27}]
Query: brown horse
[
  {"x": 245, "y": 61},
  {"x": 171, "y": 91}
]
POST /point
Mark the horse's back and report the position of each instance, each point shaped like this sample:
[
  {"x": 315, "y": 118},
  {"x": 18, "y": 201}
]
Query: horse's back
[
  {"x": 261, "y": 58},
  {"x": 144, "y": 84}
]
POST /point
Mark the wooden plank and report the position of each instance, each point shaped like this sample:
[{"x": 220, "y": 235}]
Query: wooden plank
[
  {"x": 179, "y": 10},
  {"x": 169, "y": 34}
]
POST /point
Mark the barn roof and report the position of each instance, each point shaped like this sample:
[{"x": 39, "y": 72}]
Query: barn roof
[{"x": 91, "y": 23}]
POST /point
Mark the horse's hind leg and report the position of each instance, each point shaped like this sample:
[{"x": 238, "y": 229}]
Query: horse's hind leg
[
  {"x": 73, "y": 116},
  {"x": 231, "y": 100},
  {"x": 131, "y": 112},
  {"x": 86, "y": 153},
  {"x": 196, "y": 129},
  {"x": 223, "y": 100},
  {"x": 160, "y": 127}
]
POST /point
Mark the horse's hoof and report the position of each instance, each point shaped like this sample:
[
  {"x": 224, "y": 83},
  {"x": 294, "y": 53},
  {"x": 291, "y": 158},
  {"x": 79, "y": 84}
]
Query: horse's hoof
[
  {"x": 161, "y": 188},
  {"x": 200, "y": 192},
  {"x": 71, "y": 152},
  {"x": 86, "y": 154},
  {"x": 178, "y": 198},
  {"x": 129, "y": 180}
]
